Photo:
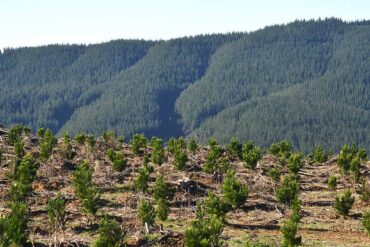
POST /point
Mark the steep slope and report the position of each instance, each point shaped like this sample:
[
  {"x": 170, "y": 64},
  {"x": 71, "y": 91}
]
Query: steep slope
[
  {"x": 307, "y": 81},
  {"x": 141, "y": 99},
  {"x": 43, "y": 86},
  {"x": 330, "y": 110}
]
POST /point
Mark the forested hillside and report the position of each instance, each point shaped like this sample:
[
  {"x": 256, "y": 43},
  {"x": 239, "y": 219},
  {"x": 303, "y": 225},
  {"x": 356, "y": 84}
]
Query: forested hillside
[{"x": 307, "y": 81}]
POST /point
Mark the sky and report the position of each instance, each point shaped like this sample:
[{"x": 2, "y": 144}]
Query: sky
[{"x": 41, "y": 22}]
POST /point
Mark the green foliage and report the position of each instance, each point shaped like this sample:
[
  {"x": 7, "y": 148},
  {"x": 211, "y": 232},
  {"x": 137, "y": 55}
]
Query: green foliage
[
  {"x": 244, "y": 101},
  {"x": 13, "y": 227},
  {"x": 289, "y": 230},
  {"x": 141, "y": 181},
  {"x": 15, "y": 134},
  {"x": 108, "y": 135},
  {"x": 204, "y": 232},
  {"x": 162, "y": 189},
  {"x": 180, "y": 160},
  {"x": 56, "y": 213},
  {"x": 281, "y": 149},
  {"x": 332, "y": 182},
  {"x": 174, "y": 145},
  {"x": 215, "y": 162},
  {"x": 121, "y": 139},
  {"x": 251, "y": 155},
  {"x": 80, "y": 138},
  {"x": 235, "y": 147},
  {"x": 66, "y": 148},
  {"x": 288, "y": 191},
  {"x": 146, "y": 213},
  {"x": 319, "y": 155},
  {"x": 355, "y": 168},
  {"x": 344, "y": 202},
  {"x": 118, "y": 160},
  {"x": 274, "y": 174},
  {"x": 193, "y": 146},
  {"x": 138, "y": 142},
  {"x": 22, "y": 177},
  {"x": 350, "y": 158},
  {"x": 90, "y": 140},
  {"x": 85, "y": 189},
  {"x": 110, "y": 234},
  {"x": 40, "y": 132},
  {"x": 163, "y": 208},
  {"x": 235, "y": 193},
  {"x": 158, "y": 150},
  {"x": 214, "y": 205},
  {"x": 295, "y": 162},
  {"x": 366, "y": 222},
  {"x": 47, "y": 144},
  {"x": 19, "y": 149}
]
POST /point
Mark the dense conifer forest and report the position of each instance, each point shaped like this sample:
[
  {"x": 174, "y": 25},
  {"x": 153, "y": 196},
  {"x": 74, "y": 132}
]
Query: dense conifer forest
[{"x": 306, "y": 81}]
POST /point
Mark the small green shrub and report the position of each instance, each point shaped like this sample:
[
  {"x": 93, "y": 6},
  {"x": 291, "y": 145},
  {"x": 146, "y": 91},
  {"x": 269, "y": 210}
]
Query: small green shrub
[
  {"x": 193, "y": 146},
  {"x": 366, "y": 222},
  {"x": 204, "y": 231},
  {"x": 275, "y": 174},
  {"x": 66, "y": 148},
  {"x": 332, "y": 182},
  {"x": 85, "y": 189},
  {"x": 235, "y": 193},
  {"x": 295, "y": 162},
  {"x": 158, "y": 151},
  {"x": 13, "y": 227},
  {"x": 180, "y": 160},
  {"x": 251, "y": 155},
  {"x": 80, "y": 138},
  {"x": 289, "y": 230},
  {"x": 47, "y": 144},
  {"x": 162, "y": 209},
  {"x": 235, "y": 148},
  {"x": 146, "y": 213},
  {"x": 281, "y": 149},
  {"x": 288, "y": 191},
  {"x": 344, "y": 203},
  {"x": 138, "y": 142},
  {"x": 110, "y": 234},
  {"x": 56, "y": 213}
]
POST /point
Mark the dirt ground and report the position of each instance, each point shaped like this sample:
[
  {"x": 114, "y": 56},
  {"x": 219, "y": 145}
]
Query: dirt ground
[{"x": 259, "y": 219}]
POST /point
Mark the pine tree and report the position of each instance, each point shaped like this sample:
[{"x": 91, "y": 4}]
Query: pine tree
[
  {"x": 85, "y": 189},
  {"x": 158, "y": 151},
  {"x": 56, "y": 213},
  {"x": 344, "y": 202},
  {"x": 13, "y": 227},
  {"x": 288, "y": 191},
  {"x": 146, "y": 213},
  {"x": 138, "y": 142},
  {"x": 110, "y": 234},
  {"x": 47, "y": 144},
  {"x": 235, "y": 194}
]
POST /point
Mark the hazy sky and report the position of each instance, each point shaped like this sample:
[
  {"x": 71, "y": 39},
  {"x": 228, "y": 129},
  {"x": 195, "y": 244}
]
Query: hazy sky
[{"x": 37, "y": 22}]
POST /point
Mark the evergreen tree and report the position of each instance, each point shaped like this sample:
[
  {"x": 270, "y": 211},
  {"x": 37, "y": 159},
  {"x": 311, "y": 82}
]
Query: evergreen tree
[
  {"x": 158, "y": 151},
  {"x": 56, "y": 213},
  {"x": 85, "y": 189},
  {"x": 288, "y": 191},
  {"x": 146, "y": 213},
  {"x": 344, "y": 202},
  {"x": 235, "y": 194},
  {"x": 110, "y": 234},
  {"x": 13, "y": 227},
  {"x": 47, "y": 144},
  {"x": 138, "y": 142}
]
